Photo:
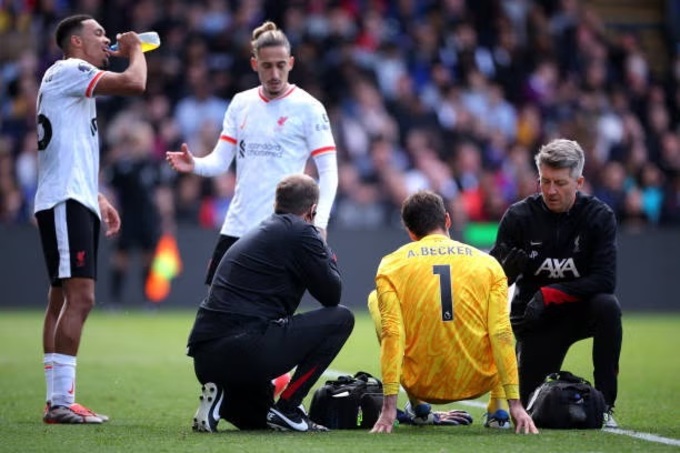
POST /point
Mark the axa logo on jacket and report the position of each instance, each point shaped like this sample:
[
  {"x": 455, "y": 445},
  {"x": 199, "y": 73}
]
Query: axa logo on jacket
[{"x": 558, "y": 268}]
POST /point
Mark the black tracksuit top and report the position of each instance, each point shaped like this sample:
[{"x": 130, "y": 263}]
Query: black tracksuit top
[
  {"x": 264, "y": 275},
  {"x": 572, "y": 255}
]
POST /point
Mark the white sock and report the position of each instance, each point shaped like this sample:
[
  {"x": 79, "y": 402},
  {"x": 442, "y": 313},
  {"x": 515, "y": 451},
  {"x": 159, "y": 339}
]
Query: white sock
[
  {"x": 64, "y": 390},
  {"x": 48, "y": 366}
]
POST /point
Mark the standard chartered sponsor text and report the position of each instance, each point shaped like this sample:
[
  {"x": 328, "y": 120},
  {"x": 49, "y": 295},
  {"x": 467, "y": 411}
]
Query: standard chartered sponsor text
[{"x": 264, "y": 150}]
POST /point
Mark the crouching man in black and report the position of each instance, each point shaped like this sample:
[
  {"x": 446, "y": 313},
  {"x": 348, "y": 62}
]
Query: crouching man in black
[
  {"x": 559, "y": 248},
  {"x": 246, "y": 332}
]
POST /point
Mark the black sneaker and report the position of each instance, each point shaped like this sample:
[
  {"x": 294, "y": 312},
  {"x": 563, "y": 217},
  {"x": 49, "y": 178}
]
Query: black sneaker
[
  {"x": 295, "y": 420},
  {"x": 208, "y": 413}
]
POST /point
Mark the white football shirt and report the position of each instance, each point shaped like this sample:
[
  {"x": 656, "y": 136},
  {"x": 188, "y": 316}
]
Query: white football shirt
[
  {"x": 68, "y": 141},
  {"x": 271, "y": 139}
]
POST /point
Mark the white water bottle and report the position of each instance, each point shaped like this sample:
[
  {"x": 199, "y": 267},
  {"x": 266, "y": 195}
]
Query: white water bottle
[{"x": 150, "y": 41}]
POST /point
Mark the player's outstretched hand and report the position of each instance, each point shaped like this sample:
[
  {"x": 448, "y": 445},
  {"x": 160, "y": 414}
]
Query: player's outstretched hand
[
  {"x": 109, "y": 216},
  {"x": 181, "y": 161}
]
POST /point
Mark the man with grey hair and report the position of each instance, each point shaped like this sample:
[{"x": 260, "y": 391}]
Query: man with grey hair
[
  {"x": 559, "y": 248},
  {"x": 246, "y": 331}
]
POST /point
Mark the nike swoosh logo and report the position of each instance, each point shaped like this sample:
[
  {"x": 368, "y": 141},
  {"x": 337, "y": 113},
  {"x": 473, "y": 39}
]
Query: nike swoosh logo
[
  {"x": 72, "y": 389},
  {"x": 216, "y": 408},
  {"x": 534, "y": 244},
  {"x": 299, "y": 426}
]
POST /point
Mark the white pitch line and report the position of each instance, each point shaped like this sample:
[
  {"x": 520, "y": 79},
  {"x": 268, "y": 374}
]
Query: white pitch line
[
  {"x": 644, "y": 436},
  {"x": 649, "y": 437}
]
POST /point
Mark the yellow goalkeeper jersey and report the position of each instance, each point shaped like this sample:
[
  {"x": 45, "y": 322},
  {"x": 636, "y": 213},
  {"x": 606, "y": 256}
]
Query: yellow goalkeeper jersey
[{"x": 441, "y": 311}]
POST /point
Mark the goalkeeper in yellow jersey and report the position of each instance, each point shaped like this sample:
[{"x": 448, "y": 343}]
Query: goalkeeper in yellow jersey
[{"x": 441, "y": 313}]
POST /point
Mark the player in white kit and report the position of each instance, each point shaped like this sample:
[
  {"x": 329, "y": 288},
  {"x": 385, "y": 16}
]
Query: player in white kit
[
  {"x": 68, "y": 205},
  {"x": 271, "y": 131}
]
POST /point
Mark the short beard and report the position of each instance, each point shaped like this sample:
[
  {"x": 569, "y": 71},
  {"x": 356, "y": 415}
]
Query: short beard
[{"x": 272, "y": 95}]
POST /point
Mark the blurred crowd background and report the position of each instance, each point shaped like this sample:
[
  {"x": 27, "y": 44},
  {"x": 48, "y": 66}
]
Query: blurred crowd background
[{"x": 450, "y": 95}]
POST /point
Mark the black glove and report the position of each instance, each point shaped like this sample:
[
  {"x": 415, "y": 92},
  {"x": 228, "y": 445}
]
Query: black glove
[
  {"x": 527, "y": 322},
  {"x": 519, "y": 327},
  {"x": 534, "y": 310},
  {"x": 513, "y": 260}
]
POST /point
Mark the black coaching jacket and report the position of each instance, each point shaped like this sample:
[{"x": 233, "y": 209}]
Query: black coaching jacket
[
  {"x": 572, "y": 255},
  {"x": 264, "y": 275}
]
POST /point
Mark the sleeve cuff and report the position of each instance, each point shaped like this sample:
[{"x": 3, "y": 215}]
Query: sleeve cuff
[
  {"x": 390, "y": 389},
  {"x": 511, "y": 391},
  {"x": 200, "y": 167}
]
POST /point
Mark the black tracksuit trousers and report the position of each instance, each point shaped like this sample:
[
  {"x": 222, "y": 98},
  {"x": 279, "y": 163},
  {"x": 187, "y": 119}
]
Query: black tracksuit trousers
[
  {"x": 542, "y": 350},
  {"x": 244, "y": 362}
]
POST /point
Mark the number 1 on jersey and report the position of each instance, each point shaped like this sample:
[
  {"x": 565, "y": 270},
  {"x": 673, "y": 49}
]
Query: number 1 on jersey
[{"x": 446, "y": 296}]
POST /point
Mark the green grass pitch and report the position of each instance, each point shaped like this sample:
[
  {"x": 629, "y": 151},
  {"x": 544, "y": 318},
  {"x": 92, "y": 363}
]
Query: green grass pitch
[{"x": 132, "y": 367}]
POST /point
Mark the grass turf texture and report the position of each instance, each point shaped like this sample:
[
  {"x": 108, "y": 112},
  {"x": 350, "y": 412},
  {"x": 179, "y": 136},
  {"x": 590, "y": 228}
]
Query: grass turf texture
[{"x": 132, "y": 367}]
